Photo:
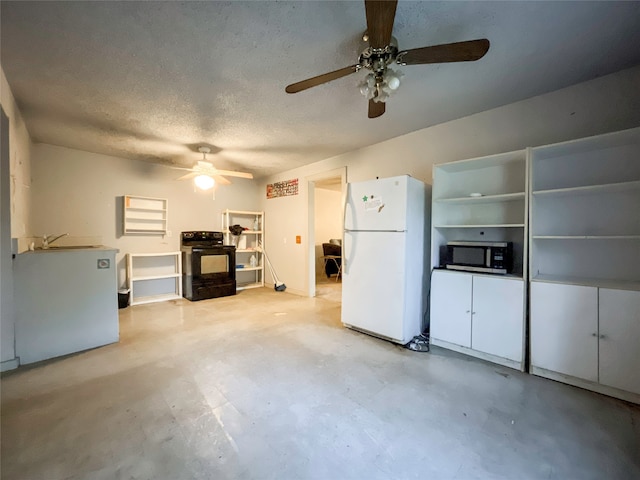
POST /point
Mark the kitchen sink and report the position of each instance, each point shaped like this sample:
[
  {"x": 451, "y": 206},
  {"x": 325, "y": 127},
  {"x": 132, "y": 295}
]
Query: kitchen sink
[{"x": 71, "y": 247}]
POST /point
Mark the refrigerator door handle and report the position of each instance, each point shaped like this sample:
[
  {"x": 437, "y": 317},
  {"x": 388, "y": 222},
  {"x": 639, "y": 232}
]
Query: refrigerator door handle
[
  {"x": 345, "y": 230},
  {"x": 345, "y": 263}
]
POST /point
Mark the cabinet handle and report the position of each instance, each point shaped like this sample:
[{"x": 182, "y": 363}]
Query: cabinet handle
[
  {"x": 603, "y": 337},
  {"x": 594, "y": 334},
  {"x": 473, "y": 313},
  {"x": 468, "y": 311}
]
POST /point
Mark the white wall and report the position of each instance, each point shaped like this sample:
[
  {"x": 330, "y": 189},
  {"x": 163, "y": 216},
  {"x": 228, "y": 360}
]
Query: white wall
[
  {"x": 20, "y": 155},
  {"x": 80, "y": 193},
  {"x": 328, "y": 221},
  {"x": 14, "y": 192},
  {"x": 602, "y": 105}
]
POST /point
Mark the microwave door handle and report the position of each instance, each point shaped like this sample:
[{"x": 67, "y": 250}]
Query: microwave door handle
[{"x": 488, "y": 259}]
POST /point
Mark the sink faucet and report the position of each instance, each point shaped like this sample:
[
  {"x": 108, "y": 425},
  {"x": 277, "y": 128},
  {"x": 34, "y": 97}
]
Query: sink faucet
[{"x": 49, "y": 239}]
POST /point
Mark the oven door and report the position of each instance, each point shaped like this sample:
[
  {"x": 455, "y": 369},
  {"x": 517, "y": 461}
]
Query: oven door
[{"x": 216, "y": 264}]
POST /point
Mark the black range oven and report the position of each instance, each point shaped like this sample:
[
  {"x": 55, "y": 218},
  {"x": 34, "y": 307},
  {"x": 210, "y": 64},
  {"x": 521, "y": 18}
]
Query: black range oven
[{"x": 208, "y": 266}]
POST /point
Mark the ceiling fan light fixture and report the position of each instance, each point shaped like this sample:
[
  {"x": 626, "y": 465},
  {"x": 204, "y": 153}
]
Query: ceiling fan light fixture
[
  {"x": 368, "y": 86},
  {"x": 204, "y": 182},
  {"x": 392, "y": 78}
]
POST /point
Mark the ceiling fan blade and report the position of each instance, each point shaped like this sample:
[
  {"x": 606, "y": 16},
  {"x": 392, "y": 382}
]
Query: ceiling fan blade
[
  {"x": 449, "y": 52},
  {"x": 380, "y": 16},
  {"x": 320, "y": 79},
  {"x": 376, "y": 108},
  {"x": 189, "y": 175},
  {"x": 221, "y": 180},
  {"x": 231, "y": 173}
]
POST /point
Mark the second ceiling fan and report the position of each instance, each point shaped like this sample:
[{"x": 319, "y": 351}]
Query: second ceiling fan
[
  {"x": 383, "y": 51},
  {"x": 206, "y": 175}
]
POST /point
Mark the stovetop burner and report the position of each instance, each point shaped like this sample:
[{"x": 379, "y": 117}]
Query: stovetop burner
[{"x": 201, "y": 239}]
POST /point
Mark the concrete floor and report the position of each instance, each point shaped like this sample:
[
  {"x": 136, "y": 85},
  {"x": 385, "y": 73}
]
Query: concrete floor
[{"x": 270, "y": 385}]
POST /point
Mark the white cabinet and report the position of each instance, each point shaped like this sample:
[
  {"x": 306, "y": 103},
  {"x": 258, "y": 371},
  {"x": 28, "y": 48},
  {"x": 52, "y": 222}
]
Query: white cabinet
[
  {"x": 585, "y": 262},
  {"x": 144, "y": 215},
  {"x": 481, "y": 199},
  {"x": 451, "y": 307},
  {"x": 619, "y": 314},
  {"x": 587, "y": 336},
  {"x": 66, "y": 301},
  {"x": 564, "y": 329},
  {"x": 250, "y": 244},
  {"x": 154, "y": 277},
  {"x": 480, "y": 315},
  {"x": 497, "y": 316}
]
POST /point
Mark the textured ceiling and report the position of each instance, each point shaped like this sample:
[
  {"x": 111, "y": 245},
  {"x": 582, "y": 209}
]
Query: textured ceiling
[{"x": 154, "y": 80}]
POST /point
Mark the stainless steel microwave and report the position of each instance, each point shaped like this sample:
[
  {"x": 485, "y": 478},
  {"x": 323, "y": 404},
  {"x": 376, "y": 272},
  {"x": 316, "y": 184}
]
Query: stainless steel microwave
[{"x": 486, "y": 257}]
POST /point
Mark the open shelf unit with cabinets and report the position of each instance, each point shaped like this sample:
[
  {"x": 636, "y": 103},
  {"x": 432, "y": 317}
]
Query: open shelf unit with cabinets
[
  {"x": 154, "y": 277},
  {"x": 249, "y": 244},
  {"x": 144, "y": 215},
  {"x": 481, "y": 199},
  {"x": 585, "y": 210},
  {"x": 585, "y": 263}
]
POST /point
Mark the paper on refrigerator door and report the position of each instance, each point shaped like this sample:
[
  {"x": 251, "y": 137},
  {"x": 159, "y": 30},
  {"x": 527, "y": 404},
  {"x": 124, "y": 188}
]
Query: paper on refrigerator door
[{"x": 373, "y": 204}]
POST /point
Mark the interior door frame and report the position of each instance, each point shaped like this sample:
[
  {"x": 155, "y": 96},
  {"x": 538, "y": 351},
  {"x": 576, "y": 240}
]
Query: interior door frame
[{"x": 311, "y": 219}]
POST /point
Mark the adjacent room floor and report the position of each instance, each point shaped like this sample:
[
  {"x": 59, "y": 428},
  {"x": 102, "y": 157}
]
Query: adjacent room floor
[{"x": 269, "y": 385}]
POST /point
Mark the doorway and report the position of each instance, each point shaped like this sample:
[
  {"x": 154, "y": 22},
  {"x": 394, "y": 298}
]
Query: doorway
[{"x": 326, "y": 201}]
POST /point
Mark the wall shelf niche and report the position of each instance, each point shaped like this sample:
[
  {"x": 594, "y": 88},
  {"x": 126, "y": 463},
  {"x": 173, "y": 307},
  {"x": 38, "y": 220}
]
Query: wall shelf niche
[{"x": 144, "y": 215}]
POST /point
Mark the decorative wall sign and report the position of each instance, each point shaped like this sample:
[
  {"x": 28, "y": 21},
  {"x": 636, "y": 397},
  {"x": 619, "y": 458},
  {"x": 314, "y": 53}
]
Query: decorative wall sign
[{"x": 282, "y": 189}]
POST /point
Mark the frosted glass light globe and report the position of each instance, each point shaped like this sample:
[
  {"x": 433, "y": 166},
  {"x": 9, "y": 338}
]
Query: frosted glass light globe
[
  {"x": 204, "y": 182},
  {"x": 393, "y": 82}
]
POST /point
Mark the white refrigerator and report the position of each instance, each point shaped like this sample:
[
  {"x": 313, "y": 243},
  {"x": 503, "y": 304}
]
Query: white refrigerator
[{"x": 385, "y": 260}]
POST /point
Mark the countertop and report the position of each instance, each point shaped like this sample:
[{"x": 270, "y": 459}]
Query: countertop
[{"x": 53, "y": 248}]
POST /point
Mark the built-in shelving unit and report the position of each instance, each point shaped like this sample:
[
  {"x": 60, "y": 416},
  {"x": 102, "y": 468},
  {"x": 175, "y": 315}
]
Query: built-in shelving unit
[
  {"x": 504, "y": 225},
  {"x": 585, "y": 263},
  {"x": 144, "y": 215},
  {"x": 249, "y": 244},
  {"x": 482, "y": 199},
  {"x": 154, "y": 277},
  {"x": 585, "y": 220},
  {"x": 505, "y": 197}
]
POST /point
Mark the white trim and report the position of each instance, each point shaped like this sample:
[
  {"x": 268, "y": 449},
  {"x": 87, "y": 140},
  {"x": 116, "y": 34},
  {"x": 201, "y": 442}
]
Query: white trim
[
  {"x": 310, "y": 251},
  {"x": 481, "y": 355},
  {"x": 9, "y": 365},
  {"x": 587, "y": 385}
]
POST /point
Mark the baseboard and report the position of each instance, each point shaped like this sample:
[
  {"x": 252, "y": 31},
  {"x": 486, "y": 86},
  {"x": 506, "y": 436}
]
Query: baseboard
[
  {"x": 481, "y": 355},
  {"x": 301, "y": 293},
  {"x": 9, "y": 365},
  {"x": 586, "y": 384}
]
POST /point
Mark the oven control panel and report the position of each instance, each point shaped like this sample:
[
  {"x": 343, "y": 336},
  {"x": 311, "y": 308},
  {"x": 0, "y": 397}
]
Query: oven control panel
[{"x": 201, "y": 238}]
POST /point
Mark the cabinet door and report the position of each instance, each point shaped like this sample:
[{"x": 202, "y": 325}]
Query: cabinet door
[
  {"x": 451, "y": 307},
  {"x": 564, "y": 329},
  {"x": 620, "y": 339},
  {"x": 497, "y": 316}
]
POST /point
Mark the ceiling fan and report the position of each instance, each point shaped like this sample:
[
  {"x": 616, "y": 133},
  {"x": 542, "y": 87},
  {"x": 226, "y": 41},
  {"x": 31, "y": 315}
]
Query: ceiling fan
[
  {"x": 206, "y": 175},
  {"x": 383, "y": 51}
]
